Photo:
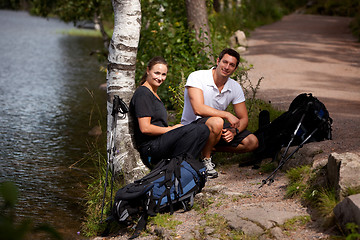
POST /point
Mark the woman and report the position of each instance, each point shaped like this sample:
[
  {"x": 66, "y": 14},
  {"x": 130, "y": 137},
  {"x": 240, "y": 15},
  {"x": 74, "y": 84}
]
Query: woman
[{"x": 154, "y": 138}]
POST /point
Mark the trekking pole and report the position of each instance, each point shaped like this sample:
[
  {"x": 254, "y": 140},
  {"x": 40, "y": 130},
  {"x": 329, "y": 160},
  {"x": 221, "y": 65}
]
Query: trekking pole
[
  {"x": 118, "y": 106},
  {"x": 296, "y": 130},
  {"x": 271, "y": 177},
  {"x": 281, "y": 162}
]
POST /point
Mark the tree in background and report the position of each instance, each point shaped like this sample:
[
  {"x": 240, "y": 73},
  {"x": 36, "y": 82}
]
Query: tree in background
[
  {"x": 197, "y": 18},
  {"x": 121, "y": 82}
]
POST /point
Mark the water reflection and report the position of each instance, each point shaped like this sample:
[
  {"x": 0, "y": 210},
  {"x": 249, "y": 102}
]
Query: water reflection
[{"x": 44, "y": 114}]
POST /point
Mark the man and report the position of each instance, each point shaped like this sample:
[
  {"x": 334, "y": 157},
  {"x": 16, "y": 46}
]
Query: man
[{"x": 207, "y": 95}]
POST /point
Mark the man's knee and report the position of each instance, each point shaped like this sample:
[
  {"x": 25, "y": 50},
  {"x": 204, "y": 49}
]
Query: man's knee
[
  {"x": 215, "y": 124},
  {"x": 250, "y": 143}
]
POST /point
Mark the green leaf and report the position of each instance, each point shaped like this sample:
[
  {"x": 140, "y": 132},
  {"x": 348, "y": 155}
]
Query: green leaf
[{"x": 9, "y": 193}]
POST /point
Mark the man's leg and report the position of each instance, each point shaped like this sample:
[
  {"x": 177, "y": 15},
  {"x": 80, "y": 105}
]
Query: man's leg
[
  {"x": 215, "y": 125},
  {"x": 247, "y": 144}
]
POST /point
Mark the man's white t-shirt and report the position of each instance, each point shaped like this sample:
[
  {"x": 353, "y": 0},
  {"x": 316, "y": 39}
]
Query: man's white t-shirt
[{"x": 203, "y": 79}]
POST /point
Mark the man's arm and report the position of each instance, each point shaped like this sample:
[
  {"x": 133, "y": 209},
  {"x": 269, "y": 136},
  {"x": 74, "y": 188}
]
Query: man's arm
[
  {"x": 242, "y": 113},
  {"x": 196, "y": 98}
]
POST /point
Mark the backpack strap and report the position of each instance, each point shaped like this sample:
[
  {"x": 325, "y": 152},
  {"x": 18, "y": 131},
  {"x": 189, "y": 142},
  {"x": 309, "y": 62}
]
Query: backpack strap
[
  {"x": 140, "y": 226},
  {"x": 172, "y": 170}
]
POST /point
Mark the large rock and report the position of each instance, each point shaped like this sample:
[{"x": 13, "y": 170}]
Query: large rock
[
  {"x": 256, "y": 219},
  {"x": 303, "y": 156},
  {"x": 342, "y": 172},
  {"x": 239, "y": 41},
  {"x": 348, "y": 211}
]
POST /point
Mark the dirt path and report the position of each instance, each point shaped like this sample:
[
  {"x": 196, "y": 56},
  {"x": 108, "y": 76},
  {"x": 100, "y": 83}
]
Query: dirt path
[
  {"x": 301, "y": 53},
  {"x": 313, "y": 54}
]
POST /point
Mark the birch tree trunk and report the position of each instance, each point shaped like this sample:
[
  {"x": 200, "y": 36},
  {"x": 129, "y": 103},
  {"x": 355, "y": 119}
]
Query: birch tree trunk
[{"x": 121, "y": 82}]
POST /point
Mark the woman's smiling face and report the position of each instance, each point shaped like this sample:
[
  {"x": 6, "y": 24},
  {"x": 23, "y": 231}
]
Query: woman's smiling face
[{"x": 157, "y": 74}]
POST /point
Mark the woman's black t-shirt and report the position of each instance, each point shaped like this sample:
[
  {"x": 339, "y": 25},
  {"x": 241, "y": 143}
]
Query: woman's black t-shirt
[{"x": 145, "y": 104}]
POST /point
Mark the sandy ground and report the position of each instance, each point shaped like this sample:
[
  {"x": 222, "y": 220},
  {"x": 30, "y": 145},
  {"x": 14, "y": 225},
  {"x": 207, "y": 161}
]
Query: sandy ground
[{"x": 312, "y": 54}]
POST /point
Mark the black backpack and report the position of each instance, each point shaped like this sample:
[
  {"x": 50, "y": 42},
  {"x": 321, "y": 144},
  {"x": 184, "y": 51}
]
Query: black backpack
[
  {"x": 306, "y": 117},
  {"x": 171, "y": 183}
]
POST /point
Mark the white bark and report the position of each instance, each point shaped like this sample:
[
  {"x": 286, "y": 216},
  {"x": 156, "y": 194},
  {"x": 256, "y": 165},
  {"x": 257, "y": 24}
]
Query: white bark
[{"x": 121, "y": 82}]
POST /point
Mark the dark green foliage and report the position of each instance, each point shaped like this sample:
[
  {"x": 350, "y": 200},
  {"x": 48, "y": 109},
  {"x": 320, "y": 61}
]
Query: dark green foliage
[
  {"x": 10, "y": 227},
  {"x": 165, "y": 33},
  {"x": 10, "y": 4},
  {"x": 73, "y": 11},
  {"x": 345, "y": 8},
  {"x": 251, "y": 14}
]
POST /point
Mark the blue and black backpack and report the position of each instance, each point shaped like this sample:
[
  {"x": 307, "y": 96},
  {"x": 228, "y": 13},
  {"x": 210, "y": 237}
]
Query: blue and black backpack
[{"x": 172, "y": 183}]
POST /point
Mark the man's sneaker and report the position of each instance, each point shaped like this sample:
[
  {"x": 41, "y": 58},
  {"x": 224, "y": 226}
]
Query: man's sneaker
[{"x": 210, "y": 171}]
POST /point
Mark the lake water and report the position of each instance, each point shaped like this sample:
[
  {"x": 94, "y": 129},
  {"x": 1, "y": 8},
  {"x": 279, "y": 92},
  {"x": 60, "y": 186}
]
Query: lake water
[{"x": 45, "y": 110}]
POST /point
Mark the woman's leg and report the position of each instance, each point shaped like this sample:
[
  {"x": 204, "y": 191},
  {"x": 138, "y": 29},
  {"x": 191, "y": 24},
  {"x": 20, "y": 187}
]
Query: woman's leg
[{"x": 190, "y": 139}]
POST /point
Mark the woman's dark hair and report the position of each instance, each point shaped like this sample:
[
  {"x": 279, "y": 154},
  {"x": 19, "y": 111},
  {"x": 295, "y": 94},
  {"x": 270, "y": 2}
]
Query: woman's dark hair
[
  {"x": 151, "y": 63},
  {"x": 231, "y": 52}
]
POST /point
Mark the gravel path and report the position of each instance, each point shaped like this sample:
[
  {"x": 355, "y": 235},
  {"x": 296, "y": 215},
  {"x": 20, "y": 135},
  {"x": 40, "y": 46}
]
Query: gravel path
[
  {"x": 312, "y": 54},
  {"x": 301, "y": 53}
]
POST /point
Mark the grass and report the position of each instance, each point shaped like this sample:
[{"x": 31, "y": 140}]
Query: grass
[
  {"x": 304, "y": 184},
  {"x": 326, "y": 203},
  {"x": 298, "y": 181},
  {"x": 267, "y": 167},
  {"x": 81, "y": 32},
  {"x": 165, "y": 220},
  {"x": 294, "y": 223},
  {"x": 351, "y": 191},
  {"x": 95, "y": 192},
  {"x": 217, "y": 225}
]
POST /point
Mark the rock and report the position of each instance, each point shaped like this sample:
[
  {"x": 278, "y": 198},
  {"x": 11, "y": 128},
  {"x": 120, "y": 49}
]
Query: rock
[
  {"x": 95, "y": 131},
  {"x": 303, "y": 156},
  {"x": 187, "y": 236},
  {"x": 103, "y": 86},
  {"x": 241, "y": 38},
  {"x": 254, "y": 219},
  {"x": 277, "y": 233},
  {"x": 342, "y": 172},
  {"x": 214, "y": 189},
  {"x": 209, "y": 230},
  {"x": 241, "y": 49},
  {"x": 197, "y": 234},
  {"x": 247, "y": 227},
  {"x": 163, "y": 233},
  {"x": 348, "y": 211},
  {"x": 238, "y": 39}
]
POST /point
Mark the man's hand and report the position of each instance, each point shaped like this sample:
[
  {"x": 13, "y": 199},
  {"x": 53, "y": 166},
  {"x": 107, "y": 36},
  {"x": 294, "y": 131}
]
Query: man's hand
[
  {"x": 227, "y": 135},
  {"x": 234, "y": 121}
]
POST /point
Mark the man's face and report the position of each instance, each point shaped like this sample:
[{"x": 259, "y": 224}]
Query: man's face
[{"x": 226, "y": 66}]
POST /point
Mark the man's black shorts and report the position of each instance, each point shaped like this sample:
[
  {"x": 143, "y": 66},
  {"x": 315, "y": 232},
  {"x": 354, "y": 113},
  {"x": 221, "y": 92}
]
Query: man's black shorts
[{"x": 237, "y": 138}]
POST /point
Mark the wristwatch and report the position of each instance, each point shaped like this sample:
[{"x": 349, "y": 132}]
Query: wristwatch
[{"x": 237, "y": 131}]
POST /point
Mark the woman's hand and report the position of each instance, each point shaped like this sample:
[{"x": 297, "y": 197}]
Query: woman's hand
[{"x": 152, "y": 130}]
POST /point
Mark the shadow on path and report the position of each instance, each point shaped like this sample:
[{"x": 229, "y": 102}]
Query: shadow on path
[{"x": 313, "y": 54}]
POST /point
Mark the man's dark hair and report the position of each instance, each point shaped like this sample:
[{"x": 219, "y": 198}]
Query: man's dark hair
[{"x": 232, "y": 53}]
